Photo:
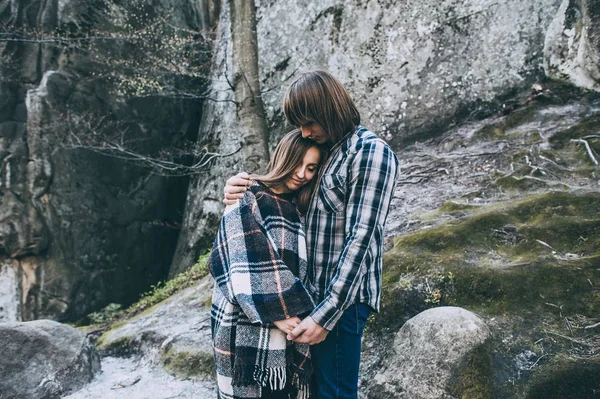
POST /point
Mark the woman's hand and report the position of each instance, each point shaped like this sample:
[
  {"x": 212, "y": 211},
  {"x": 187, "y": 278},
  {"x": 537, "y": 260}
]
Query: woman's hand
[
  {"x": 235, "y": 187},
  {"x": 287, "y": 325}
]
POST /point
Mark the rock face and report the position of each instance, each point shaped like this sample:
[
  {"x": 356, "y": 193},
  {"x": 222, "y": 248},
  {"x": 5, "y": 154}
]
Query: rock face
[
  {"x": 412, "y": 67},
  {"x": 435, "y": 355},
  {"x": 44, "y": 359},
  {"x": 409, "y": 65},
  {"x": 80, "y": 228},
  {"x": 203, "y": 207},
  {"x": 572, "y": 49}
]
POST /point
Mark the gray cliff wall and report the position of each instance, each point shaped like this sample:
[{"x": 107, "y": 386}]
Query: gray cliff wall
[
  {"x": 411, "y": 66},
  {"x": 572, "y": 49},
  {"x": 218, "y": 131},
  {"x": 80, "y": 229}
]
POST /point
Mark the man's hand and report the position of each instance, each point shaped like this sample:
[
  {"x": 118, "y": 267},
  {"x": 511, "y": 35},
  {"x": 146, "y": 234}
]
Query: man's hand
[
  {"x": 287, "y": 325},
  {"x": 235, "y": 187},
  {"x": 308, "y": 332}
]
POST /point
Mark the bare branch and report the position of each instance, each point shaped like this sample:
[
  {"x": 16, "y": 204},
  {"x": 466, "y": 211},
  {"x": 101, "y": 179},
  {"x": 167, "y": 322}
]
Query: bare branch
[
  {"x": 588, "y": 148},
  {"x": 160, "y": 166},
  {"x": 591, "y": 326},
  {"x": 574, "y": 340}
]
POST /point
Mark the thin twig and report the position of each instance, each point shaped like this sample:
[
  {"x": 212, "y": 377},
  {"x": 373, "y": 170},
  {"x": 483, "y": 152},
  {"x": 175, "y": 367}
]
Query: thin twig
[
  {"x": 536, "y": 362},
  {"x": 554, "y": 163},
  {"x": 592, "y": 326},
  {"x": 545, "y": 244},
  {"x": 569, "y": 325},
  {"x": 553, "y": 305},
  {"x": 588, "y": 148},
  {"x": 576, "y": 341}
]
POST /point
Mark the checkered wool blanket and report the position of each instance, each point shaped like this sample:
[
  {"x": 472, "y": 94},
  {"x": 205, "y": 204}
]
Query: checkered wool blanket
[{"x": 259, "y": 264}]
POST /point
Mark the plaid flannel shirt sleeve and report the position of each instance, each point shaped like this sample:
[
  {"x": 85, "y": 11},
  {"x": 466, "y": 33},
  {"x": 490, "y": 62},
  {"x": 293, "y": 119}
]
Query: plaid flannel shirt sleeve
[
  {"x": 372, "y": 180},
  {"x": 257, "y": 279}
]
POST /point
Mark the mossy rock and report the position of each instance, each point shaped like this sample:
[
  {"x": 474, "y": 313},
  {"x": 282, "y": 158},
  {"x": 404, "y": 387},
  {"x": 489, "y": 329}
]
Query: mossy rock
[
  {"x": 120, "y": 347},
  {"x": 530, "y": 289},
  {"x": 564, "y": 378},
  {"x": 524, "y": 266},
  {"x": 188, "y": 362},
  {"x": 588, "y": 126},
  {"x": 520, "y": 183},
  {"x": 514, "y": 119},
  {"x": 452, "y": 207},
  {"x": 474, "y": 378},
  {"x": 506, "y": 258}
]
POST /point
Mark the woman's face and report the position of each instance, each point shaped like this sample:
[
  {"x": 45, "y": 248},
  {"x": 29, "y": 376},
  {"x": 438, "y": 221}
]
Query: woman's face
[{"x": 304, "y": 172}]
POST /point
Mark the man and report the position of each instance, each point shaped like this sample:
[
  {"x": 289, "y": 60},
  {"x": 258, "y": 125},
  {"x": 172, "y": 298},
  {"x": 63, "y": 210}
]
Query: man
[{"x": 344, "y": 227}]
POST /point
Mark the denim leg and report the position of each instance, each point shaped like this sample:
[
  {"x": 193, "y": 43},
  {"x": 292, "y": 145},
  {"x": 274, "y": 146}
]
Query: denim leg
[{"x": 337, "y": 358}]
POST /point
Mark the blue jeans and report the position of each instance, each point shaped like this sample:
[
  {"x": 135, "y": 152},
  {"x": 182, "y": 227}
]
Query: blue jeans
[{"x": 337, "y": 358}]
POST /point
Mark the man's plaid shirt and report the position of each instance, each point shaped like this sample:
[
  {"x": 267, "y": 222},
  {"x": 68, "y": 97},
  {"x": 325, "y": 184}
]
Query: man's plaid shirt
[{"x": 345, "y": 224}]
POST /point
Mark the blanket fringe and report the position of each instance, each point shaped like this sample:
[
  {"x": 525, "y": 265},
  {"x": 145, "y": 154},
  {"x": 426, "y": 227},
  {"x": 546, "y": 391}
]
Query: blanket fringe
[
  {"x": 303, "y": 391},
  {"x": 274, "y": 377}
]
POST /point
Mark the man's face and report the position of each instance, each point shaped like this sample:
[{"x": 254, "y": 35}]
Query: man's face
[{"x": 315, "y": 132}]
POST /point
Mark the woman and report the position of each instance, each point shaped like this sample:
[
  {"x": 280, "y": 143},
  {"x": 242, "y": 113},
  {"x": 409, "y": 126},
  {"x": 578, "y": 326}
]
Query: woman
[{"x": 259, "y": 264}]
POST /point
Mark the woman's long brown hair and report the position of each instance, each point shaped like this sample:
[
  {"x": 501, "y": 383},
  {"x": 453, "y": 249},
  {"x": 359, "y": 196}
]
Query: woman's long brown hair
[{"x": 288, "y": 155}]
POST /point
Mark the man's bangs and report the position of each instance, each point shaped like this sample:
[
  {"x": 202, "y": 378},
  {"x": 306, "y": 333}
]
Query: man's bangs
[
  {"x": 298, "y": 118},
  {"x": 297, "y": 103}
]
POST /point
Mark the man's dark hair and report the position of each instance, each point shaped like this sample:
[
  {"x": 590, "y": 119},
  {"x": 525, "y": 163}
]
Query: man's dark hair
[{"x": 319, "y": 97}]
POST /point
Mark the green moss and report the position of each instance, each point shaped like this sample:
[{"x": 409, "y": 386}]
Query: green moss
[
  {"x": 567, "y": 222},
  {"x": 516, "y": 183},
  {"x": 500, "y": 259},
  {"x": 490, "y": 132},
  {"x": 564, "y": 378},
  {"x": 564, "y": 234},
  {"x": 183, "y": 280},
  {"x": 589, "y": 171},
  {"x": 188, "y": 363},
  {"x": 516, "y": 118},
  {"x": 123, "y": 346},
  {"x": 451, "y": 207},
  {"x": 474, "y": 379},
  {"x": 584, "y": 128},
  {"x": 529, "y": 289},
  {"x": 534, "y": 137}
]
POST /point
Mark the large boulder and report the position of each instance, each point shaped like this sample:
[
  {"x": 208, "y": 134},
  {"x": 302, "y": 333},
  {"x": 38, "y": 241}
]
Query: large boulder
[
  {"x": 572, "y": 48},
  {"x": 439, "y": 353},
  {"x": 44, "y": 359}
]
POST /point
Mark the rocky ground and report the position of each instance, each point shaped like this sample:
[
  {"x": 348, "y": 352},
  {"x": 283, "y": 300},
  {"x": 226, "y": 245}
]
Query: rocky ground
[
  {"x": 136, "y": 379},
  {"x": 164, "y": 352}
]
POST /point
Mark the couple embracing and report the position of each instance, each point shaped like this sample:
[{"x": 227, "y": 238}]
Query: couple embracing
[{"x": 298, "y": 256}]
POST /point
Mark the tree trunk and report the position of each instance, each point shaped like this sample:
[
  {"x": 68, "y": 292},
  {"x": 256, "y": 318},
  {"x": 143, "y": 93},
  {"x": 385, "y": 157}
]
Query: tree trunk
[
  {"x": 234, "y": 120},
  {"x": 246, "y": 86}
]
